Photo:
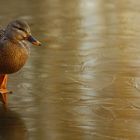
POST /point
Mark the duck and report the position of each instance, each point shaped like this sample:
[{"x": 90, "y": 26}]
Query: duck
[{"x": 14, "y": 51}]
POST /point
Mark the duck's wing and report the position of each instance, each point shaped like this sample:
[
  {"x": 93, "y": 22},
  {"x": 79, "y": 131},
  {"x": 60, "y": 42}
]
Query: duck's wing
[{"x": 2, "y": 31}]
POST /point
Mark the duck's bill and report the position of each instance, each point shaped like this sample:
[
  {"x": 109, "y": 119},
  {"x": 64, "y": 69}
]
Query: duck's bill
[{"x": 33, "y": 41}]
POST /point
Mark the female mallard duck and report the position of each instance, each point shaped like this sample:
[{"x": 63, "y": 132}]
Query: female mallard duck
[{"x": 14, "y": 51}]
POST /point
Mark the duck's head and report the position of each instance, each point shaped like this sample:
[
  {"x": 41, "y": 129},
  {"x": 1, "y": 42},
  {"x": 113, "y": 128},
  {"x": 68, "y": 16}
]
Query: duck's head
[{"x": 19, "y": 30}]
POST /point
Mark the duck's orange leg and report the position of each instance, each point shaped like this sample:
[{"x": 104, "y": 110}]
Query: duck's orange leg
[{"x": 3, "y": 90}]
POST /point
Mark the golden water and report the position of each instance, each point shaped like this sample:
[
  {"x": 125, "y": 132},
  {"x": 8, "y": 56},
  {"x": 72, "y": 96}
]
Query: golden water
[{"x": 84, "y": 82}]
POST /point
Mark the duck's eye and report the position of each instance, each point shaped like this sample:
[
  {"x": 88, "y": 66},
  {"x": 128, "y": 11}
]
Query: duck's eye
[{"x": 20, "y": 29}]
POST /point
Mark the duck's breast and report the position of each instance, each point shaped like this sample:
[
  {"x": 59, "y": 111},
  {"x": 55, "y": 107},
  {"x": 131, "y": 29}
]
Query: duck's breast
[{"x": 12, "y": 57}]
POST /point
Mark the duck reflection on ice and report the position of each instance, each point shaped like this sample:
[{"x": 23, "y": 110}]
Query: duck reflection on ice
[{"x": 12, "y": 126}]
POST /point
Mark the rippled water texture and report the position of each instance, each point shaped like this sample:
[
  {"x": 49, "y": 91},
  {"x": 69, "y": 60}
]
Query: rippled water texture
[{"x": 84, "y": 82}]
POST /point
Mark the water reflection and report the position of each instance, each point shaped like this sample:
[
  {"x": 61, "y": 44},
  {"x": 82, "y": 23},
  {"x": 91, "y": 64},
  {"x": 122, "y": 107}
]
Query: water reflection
[
  {"x": 12, "y": 126},
  {"x": 84, "y": 82}
]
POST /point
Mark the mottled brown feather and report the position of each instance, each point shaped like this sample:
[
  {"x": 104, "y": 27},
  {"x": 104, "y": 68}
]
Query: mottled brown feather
[{"x": 2, "y": 31}]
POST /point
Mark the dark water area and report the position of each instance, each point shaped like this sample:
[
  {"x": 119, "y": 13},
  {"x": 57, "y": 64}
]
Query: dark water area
[{"x": 83, "y": 83}]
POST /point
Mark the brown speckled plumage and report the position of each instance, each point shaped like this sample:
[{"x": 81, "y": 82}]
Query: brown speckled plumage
[
  {"x": 2, "y": 31},
  {"x": 12, "y": 57}
]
